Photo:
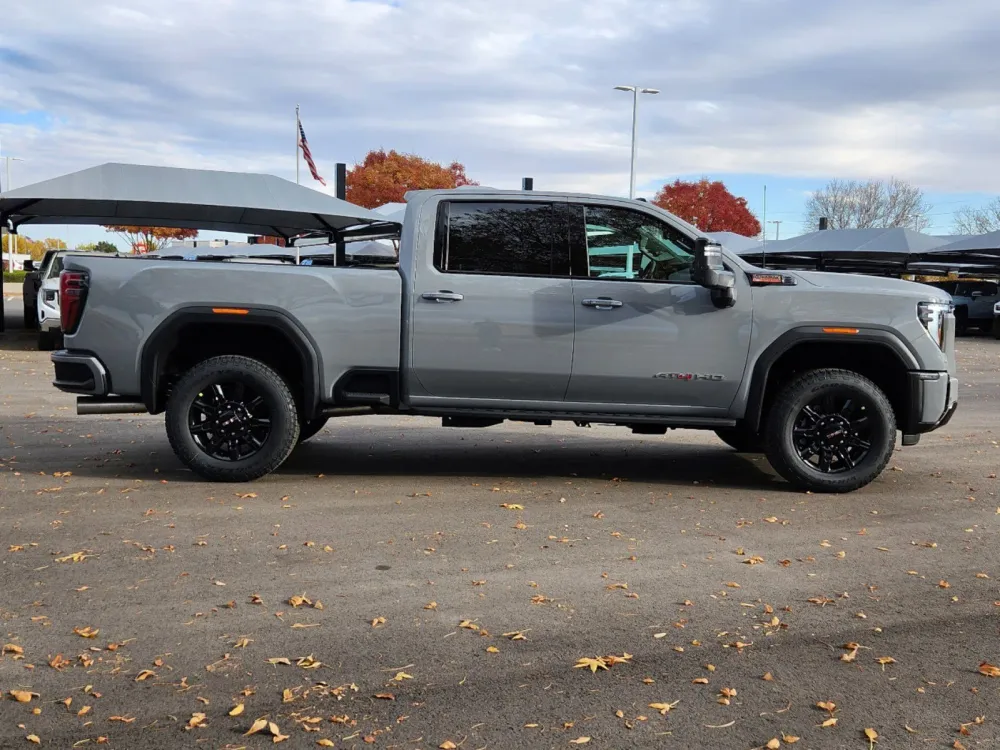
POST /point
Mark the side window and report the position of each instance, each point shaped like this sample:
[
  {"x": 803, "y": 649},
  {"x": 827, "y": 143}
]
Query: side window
[
  {"x": 55, "y": 267},
  {"x": 514, "y": 239},
  {"x": 626, "y": 244}
]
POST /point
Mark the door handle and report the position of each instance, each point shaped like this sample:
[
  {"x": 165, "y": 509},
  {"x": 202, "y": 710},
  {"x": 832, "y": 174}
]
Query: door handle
[
  {"x": 602, "y": 303},
  {"x": 443, "y": 296}
]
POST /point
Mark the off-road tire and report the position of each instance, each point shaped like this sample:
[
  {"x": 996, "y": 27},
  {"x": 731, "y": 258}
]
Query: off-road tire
[
  {"x": 284, "y": 432},
  {"x": 311, "y": 428},
  {"x": 961, "y": 320},
  {"x": 741, "y": 439},
  {"x": 791, "y": 401}
]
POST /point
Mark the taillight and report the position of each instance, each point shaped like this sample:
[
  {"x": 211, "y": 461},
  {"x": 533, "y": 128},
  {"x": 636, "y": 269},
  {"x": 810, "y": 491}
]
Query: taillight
[{"x": 72, "y": 296}]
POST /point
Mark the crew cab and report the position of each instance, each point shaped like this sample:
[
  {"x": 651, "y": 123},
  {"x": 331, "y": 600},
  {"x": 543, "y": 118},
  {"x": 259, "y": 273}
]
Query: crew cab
[{"x": 511, "y": 305}]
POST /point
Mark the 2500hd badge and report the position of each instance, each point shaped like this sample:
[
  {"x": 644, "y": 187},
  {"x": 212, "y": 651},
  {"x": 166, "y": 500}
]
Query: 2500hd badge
[{"x": 688, "y": 376}]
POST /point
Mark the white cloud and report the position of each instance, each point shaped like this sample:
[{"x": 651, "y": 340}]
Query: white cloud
[{"x": 852, "y": 89}]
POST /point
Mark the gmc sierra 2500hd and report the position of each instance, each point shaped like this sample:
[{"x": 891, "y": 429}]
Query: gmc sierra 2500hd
[{"x": 528, "y": 306}]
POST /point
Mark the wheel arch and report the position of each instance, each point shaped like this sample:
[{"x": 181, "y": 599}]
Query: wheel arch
[
  {"x": 876, "y": 353},
  {"x": 247, "y": 333}
]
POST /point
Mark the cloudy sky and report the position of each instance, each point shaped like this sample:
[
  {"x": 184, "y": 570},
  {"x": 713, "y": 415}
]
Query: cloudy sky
[{"x": 787, "y": 93}]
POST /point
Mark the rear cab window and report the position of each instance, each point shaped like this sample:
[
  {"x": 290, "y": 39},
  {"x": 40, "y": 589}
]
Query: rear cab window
[{"x": 510, "y": 238}]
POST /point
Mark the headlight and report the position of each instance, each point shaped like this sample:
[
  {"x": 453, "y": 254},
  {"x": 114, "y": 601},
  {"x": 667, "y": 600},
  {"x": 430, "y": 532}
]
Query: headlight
[
  {"x": 996, "y": 309},
  {"x": 933, "y": 315}
]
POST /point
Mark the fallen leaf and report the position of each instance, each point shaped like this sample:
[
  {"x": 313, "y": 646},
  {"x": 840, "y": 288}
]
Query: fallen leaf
[
  {"x": 23, "y": 696},
  {"x": 827, "y": 706},
  {"x": 87, "y": 632},
  {"x": 236, "y": 710},
  {"x": 768, "y": 677},
  {"x": 431, "y": 605},
  {"x": 789, "y": 739},
  {"x": 883, "y": 660},
  {"x": 699, "y": 681},
  {"x": 773, "y": 744},
  {"x": 287, "y": 696},
  {"x": 33, "y": 738},
  {"x": 325, "y": 742},
  {"x": 663, "y": 708},
  {"x": 989, "y": 670},
  {"x": 11, "y": 648},
  {"x": 590, "y": 663},
  {"x": 468, "y": 625},
  {"x": 58, "y": 662},
  {"x": 400, "y": 676},
  {"x": 623, "y": 659},
  {"x": 872, "y": 736},
  {"x": 196, "y": 720},
  {"x": 145, "y": 675},
  {"x": 755, "y": 560},
  {"x": 448, "y": 745},
  {"x": 280, "y": 660},
  {"x": 258, "y": 726},
  {"x": 580, "y": 741},
  {"x": 378, "y": 621},
  {"x": 492, "y": 650},
  {"x": 831, "y": 722},
  {"x": 385, "y": 696},
  {"x": 511, "y": 506}
]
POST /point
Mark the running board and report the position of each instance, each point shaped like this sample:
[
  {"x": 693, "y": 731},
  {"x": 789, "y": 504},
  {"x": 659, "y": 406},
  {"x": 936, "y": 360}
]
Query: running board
[{"x": 108, "y": 405}]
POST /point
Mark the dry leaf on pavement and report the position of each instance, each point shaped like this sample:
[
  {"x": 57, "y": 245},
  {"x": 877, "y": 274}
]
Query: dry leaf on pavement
[{"x": 590, "y": 663}]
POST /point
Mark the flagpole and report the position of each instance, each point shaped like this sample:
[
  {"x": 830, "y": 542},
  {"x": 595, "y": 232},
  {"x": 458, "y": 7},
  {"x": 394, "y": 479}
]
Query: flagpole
[{"x": 296, "y": 144}]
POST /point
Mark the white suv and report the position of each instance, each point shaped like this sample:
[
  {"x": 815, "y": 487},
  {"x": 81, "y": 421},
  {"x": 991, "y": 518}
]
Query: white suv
[{"x": 47, "y": 304}]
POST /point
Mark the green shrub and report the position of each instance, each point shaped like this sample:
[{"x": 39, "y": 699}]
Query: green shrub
[{"x": 14, "y": 277}]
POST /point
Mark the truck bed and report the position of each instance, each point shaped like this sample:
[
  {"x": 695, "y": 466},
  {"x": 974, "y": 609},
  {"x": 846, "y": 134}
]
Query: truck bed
[{"x": 352, "y": 315}]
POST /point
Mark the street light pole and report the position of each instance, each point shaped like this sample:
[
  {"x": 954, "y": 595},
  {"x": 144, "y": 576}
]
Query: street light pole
[
  {"x": 11, "y": 238},
  {"x": 635, "y": 114}
]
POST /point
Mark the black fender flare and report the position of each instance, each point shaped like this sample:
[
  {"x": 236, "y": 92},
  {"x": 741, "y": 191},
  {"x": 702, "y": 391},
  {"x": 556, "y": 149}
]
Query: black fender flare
[
  {"x": 155, "y": 344},
  {"x": 878, "y": 335}
]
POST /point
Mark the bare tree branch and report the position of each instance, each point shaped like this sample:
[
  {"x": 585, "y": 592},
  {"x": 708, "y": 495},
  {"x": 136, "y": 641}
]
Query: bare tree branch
[
  {"x": 978, "y": 220},
  {"x": 850, "y": 204}
]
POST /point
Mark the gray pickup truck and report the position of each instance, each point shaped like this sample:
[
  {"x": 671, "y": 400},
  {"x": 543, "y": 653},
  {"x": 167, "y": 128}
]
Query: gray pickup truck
[{"x": 526, "y": 306}]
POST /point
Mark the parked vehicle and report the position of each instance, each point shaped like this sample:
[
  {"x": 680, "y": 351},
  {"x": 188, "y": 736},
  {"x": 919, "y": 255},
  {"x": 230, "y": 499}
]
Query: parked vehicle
[
  {"x": 974, "y": 302},
  {"x": 525, "y": 306},
  {"x": 996, "y": 320},
  {"x": 47, "y": 303}
]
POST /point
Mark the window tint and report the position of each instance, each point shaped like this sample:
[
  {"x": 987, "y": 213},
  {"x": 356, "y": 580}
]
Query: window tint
[
  {"x": 501, "y": 238},
  {"x": 626, "y": 244}
]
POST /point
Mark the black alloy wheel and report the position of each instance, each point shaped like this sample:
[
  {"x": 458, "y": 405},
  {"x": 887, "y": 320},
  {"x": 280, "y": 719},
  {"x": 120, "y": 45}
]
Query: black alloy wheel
[
  {"x": 232, "y": 419},
  {"x": 830, "y": 430},
  {"x": 833, "y": 432},
  {"x": 229, "y": 420}
]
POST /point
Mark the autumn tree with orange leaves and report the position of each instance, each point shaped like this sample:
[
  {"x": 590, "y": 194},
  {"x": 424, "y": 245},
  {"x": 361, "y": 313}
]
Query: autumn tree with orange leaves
[
  {"x": 709, "y": 206},
  {"x": 150, "y": 239},
  {"x": 384, "y": 177}
]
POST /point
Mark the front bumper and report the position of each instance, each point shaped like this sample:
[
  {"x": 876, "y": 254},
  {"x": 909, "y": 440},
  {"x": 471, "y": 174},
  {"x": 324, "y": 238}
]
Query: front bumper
[
  {"x": 80, "y": 372},
  {"x": 933, "y": 401}
]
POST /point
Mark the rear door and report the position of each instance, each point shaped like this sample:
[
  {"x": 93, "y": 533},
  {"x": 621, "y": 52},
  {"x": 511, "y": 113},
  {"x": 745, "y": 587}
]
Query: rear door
[
  {"x": 491, "y": 311},
  {"x": 646, "y": 335}
]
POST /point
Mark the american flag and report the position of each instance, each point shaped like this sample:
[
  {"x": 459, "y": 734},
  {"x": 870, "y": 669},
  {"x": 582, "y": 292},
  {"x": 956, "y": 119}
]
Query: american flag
[{"x": 304, "y": 145}]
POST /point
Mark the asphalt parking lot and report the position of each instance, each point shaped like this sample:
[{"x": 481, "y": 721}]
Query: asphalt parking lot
[{"x": 400, "y": 585}]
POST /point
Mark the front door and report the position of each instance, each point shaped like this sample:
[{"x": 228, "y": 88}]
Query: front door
[
  {"x": 491, "y": 314},
  {"x": 645, "y": 333}
]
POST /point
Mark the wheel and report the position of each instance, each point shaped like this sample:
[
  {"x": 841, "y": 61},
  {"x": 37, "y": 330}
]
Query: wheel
[
  {"x": 232, "y": 419},
  {"x": 830, "y": 431},
  {"x": 961, "y": 321},
  {"x": 741, "y": 439},
  {"x": 47, "y": 341},
  {"x": 311, "y": 428}
]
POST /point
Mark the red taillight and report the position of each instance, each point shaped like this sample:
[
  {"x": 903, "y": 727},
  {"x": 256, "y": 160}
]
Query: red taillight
[{"x": 72, "y": 295}]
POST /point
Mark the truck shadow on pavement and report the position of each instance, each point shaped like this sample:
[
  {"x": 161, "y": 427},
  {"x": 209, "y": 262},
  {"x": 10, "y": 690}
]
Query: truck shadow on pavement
[{"x": 431, "y": 453}]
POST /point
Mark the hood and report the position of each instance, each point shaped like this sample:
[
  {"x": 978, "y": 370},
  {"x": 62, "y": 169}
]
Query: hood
[{"x": 850, "y": 282}]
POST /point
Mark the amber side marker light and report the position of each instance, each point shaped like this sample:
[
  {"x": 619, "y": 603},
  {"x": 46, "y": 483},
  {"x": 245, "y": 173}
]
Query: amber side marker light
[
  {"x": 230, "y": 311},
  {"x": 840, "y": 330}
]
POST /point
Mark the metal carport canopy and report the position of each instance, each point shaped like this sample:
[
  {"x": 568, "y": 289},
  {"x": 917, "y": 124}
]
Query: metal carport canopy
[{"x": 139, "y": 195}]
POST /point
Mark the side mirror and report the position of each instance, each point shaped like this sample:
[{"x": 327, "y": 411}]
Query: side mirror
[
  {"x": 29, "y": 266},
  {"x": 709, "y": 271}
]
